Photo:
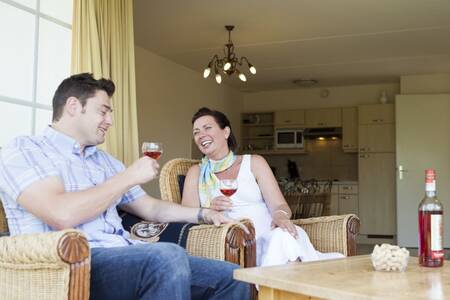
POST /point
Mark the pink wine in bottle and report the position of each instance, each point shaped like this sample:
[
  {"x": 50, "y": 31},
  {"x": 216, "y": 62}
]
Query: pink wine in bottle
[{"x": 431, "y": 252}]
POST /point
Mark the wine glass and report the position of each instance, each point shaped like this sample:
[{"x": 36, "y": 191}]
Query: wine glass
[
  {"x": 228, "y": 186},
  {"x": 152, "y": 149}
]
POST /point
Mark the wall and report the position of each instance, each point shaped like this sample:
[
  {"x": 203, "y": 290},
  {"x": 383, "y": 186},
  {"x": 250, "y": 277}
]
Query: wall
[
  {"x": 167, "y": 96},
  {"x": 325, "y": 159},
  {"x": 310, "y": 97},
  {"x": 425, "y": 84}
]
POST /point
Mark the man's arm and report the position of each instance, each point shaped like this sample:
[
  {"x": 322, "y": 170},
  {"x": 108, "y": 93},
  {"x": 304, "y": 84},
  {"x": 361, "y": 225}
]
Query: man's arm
[
  {"x": 155, "y": 210},
  {"x": 47, "y": 199}
]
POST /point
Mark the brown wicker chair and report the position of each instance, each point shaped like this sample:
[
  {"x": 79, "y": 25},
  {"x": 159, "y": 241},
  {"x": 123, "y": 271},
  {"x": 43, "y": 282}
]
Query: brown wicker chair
[
  {"x": 54, "y": 265},
  {"x": 327, "y": 234},
  {"x": 226, "y": 242}
]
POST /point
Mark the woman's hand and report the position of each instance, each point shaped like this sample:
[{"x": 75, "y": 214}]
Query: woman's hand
[
  {"x": 211, "y": 216},
  {"x": 221, "y": 203},
  {"x": 280, "y": 219}
]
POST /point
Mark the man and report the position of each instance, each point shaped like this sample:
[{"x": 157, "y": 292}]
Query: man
[{"x": 61, "y": 180}]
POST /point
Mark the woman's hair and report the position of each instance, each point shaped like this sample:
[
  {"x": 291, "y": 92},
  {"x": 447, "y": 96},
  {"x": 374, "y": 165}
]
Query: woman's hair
[{"x": 221, "y": 120}]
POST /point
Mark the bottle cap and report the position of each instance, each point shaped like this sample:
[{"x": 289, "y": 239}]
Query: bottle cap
[{"x": 430, "y": 175}]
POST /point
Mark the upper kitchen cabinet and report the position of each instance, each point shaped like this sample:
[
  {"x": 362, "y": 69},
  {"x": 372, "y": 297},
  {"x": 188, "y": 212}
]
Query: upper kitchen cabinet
[
  {"x": 257, "y": 131},
  {"x": 323, "y": 117},
  {"x": 377, "y": 138},
  {"x": 376, "y": 114},
  {"x": 290, "y": 118},
  {"x": 350, "y": 129},
  {"x": 376, "y": 131}
]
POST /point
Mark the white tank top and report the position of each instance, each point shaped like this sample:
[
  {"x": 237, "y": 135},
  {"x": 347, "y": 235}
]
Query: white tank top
[{"x": 248, "y": 201}]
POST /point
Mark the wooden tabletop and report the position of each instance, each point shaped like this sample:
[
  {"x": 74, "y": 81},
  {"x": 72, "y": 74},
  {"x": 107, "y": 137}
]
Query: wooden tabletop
[{"x": 352, "y": 278}]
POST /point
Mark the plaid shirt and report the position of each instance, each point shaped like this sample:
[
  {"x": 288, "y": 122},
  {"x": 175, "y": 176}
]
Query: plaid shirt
[{"x": 28, "y": 159}]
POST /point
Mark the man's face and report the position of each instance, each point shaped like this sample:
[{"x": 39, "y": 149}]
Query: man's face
[{"x": 95, "y": 119}]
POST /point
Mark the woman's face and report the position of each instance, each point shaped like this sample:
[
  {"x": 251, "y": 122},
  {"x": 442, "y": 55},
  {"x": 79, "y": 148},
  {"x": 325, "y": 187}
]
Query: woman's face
[{"x": 210, "y": 138}]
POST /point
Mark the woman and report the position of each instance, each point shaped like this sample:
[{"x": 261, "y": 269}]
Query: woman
[{"x": 258, "y": 196}]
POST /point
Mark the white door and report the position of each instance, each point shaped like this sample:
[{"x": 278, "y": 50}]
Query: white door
[{"x": 422, "y": 141}]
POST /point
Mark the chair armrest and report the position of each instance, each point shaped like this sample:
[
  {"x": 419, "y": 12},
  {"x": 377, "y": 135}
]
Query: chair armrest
[
  {"x": 54, "y": 264},
  {"x": 67, "y": 246},
  {"x": 332, "y": 233},
  {"x": 227, "y": 242}
]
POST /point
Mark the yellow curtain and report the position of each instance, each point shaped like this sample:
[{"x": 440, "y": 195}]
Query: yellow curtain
[{"x": 103, "y": 44}]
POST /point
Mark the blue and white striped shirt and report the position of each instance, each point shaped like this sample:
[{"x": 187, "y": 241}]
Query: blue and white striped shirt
[{"x": 28, "y": 159}]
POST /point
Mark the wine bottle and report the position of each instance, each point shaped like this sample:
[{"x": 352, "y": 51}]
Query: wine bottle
[{"x": 431, "y": 252}]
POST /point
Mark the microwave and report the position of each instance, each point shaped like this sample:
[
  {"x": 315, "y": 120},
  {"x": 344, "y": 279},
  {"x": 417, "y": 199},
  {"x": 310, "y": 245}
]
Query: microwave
[{"x": 289, "y": 138}]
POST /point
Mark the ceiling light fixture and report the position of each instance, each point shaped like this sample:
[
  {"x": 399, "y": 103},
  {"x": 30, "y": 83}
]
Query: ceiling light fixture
[{"x": 229, "y": 63}]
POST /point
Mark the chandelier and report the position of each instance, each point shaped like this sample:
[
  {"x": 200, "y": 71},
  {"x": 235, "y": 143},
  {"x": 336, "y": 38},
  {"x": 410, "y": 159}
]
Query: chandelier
[{"x": 229, "y": 63}]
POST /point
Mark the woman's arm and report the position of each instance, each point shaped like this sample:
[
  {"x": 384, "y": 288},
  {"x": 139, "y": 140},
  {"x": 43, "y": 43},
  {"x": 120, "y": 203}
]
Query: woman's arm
[
  {"x": 272, "y": 195},
  {"x": 190, "y": 195}
]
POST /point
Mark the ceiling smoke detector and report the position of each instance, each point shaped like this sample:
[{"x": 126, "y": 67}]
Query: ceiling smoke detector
[{"x": 305, "y": 82}]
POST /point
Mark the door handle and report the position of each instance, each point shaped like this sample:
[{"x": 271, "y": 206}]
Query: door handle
[{"x": 401, "y": 170}]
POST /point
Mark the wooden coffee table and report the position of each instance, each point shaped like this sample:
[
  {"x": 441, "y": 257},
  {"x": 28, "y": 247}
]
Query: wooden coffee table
[{"x": 348, "y": 278}]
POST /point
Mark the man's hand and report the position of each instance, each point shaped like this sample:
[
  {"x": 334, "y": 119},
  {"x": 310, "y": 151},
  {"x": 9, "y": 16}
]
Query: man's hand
[
  {"x": 221, "y": 203},
  {"x": 143, "y": 170},
  {"x": 280, "y": 219}
]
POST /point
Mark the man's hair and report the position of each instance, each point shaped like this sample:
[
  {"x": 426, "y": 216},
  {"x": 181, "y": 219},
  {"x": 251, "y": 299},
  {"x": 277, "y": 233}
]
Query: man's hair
[
  {"x": 82, "y": 86},
  {"x": 221, "y": 120}
]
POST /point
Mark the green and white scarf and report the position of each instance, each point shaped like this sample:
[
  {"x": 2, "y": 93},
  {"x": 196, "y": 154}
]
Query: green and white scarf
[{"x": 208, "y": 183}]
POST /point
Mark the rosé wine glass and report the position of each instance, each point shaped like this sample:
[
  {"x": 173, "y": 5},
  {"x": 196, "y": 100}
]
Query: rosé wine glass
[
  {"x": 152, "y": 149},
  {"x": 228, "y": 186}
]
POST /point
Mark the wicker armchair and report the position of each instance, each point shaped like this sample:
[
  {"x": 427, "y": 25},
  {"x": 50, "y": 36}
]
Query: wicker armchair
[
  {"x": 327, "y": 234},
  {"x": 54, "y": 265},
  {"x": 226, "y": 242}
]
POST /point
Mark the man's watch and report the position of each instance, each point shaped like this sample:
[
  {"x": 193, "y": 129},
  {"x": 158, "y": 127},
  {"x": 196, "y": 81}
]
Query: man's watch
[{"x": 200, "y": 217}]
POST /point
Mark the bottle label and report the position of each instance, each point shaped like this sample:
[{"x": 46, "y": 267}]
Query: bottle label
[
  {"x": 436, "y": 236},
  {"x": 430, "y": 186}
]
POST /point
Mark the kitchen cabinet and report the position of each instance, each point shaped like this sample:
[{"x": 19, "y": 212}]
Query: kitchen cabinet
[
  {"x": 374, "y": 138},
  {"x": 350, "y": 129},
  {"x": 344, "y": 198},
  {"x": 289, "y": 118},
  {"x": 323, "y": 117},
  {"x": 376, "y": 179},
  {"x": 257, "y": 131},
  {"x": 376, "y": 169},
  {"x": 376, "y": 114}
]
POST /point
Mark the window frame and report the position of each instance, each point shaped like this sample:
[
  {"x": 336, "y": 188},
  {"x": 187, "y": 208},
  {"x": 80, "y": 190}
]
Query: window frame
[{"x": 33, "y": 103}]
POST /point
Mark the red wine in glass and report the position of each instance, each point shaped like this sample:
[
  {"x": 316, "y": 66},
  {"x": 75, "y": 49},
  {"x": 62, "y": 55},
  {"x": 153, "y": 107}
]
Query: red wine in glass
[
  {"x": 153, "y": 154},
  {"x": 152, "y": 149},
  {"x": 228, "y": 192},
  {"x": 228, "y": 186}
]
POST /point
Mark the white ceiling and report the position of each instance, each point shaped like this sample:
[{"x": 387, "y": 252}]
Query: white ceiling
[{"x": 338, "y": 42}]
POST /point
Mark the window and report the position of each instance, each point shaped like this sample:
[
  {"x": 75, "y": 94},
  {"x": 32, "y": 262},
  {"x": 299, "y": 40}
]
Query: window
[{"x": 34, "y": 58}]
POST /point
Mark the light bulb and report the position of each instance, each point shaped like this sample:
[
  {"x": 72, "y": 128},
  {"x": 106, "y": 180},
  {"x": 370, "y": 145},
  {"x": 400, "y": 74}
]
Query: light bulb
[
  {"x": 227, "y": 66},
  {"x": 252, "y": 69},
  {"x": 206, "y": 72},
  {"x": 242, "y": 77},
  {"x": 218, "y": 78}
]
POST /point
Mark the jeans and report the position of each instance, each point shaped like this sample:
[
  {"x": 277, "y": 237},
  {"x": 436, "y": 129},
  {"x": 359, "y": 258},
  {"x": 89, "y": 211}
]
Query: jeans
[{"x": 161, "y": 271}]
